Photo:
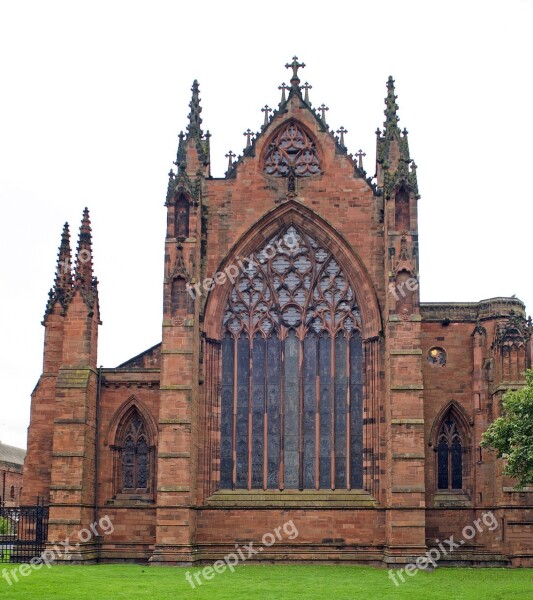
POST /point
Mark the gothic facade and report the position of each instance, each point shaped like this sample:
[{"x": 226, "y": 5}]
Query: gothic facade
[{"x": 298, "y": 376}]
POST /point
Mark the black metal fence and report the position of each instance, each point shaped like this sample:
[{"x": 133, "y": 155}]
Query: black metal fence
[{"x": 23, "y": 533}]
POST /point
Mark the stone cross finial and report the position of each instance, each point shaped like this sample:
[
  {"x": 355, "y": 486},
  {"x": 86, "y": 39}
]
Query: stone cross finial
[
  {"x": 284, "y": 87},
  {"x": 230, "y": 156},
  {"x": 359, "y": 154},
  {"x": 267, "y": 110},
  {"x": 306, "y": 87},
  {"x": 341, "y": 133},
  {"x": 248, "y": 133},
  {"x": 295, "y": 65},
  {"x": 323, "y": 110}
]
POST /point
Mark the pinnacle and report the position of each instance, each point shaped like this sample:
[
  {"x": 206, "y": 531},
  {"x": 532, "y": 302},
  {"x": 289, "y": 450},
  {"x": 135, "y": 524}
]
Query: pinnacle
[
  {"x": 391, "y": 116},
  {"x": 194, "y": 128}
]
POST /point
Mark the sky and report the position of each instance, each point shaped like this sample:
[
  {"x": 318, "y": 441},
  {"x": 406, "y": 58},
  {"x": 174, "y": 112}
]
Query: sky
[{"x": 94, "y": 94}]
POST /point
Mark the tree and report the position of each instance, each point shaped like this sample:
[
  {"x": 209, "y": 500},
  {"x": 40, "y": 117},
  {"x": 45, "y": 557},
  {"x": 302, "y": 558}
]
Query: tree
[
  {"x": 511, "y": 435},
  {"x": 6, "y": 526}
]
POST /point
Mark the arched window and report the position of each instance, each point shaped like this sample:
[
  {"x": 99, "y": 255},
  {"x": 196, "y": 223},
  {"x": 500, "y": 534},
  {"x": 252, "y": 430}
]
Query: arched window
[
  {"x": 135, "y": 462},
  {"x": 182, "y": 217},
  {"x": 291, "y": 413},
  {"x": 12, "y": 492},
  {"x": 449, "y": 456}
]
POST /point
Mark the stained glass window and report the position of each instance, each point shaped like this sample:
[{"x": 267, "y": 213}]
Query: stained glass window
[
  {"x": 292, "y": 371},
  {"x": 135, "y": 455},
  {"x": 449, "y": 457}
]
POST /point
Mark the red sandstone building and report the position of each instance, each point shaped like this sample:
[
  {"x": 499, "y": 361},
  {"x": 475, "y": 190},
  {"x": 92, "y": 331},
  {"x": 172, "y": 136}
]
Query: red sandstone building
[
  {"x": 298, "y": 377},
  {"x": 11, "y": 469}
]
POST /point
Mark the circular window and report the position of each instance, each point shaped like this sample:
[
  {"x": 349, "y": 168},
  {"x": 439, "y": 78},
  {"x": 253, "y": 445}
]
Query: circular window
[{"x": 437, "y": 356}]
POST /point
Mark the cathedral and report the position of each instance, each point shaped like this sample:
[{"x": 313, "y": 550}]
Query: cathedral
[{"x": 299, "y": 377}]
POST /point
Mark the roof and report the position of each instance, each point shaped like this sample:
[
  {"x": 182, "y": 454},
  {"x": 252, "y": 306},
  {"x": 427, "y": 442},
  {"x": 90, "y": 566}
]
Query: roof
[{"x": 11, "y": 454}]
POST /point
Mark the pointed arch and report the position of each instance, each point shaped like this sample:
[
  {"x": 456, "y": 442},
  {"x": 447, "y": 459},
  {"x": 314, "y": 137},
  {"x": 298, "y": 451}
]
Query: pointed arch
[
  {"x": 291, "y": 323},
  {"x": 122, "y": 411},
  {"x": 450, "y": 437},
  {"x": 291, "y": 148},
  {"x": 132, "y": 439},
  {"x": 304, "y": 218},
  {"x": 458, "y": 413}
]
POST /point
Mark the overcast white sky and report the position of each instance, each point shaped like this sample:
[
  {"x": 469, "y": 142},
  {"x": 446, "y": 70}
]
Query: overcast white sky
[{"x": 93, "y": 95}]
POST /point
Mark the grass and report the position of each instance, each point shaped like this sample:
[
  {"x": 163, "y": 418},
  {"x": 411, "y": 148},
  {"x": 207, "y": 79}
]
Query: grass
[{"x": 279, "y": 582}]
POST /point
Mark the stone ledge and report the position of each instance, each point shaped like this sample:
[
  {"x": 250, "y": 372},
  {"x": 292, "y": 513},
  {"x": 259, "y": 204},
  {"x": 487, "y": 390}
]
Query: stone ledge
[
  {"x": 408, "y": 489},
  {"x": 68, "y": 454},
  {"x": 524, "y": 490},
  {"x": 408, "y": 456},
  {"x": 66, "y": 488},
  {"x": 407, "y": 421},
  {"x": 291, "y": 499},
  {"x": 415, "y": 351},
  {"x": 175, "y": 387},
  {"x": 64, "y": 521},
  {"x": 174, "y": 455},
  {"x": 174, "y": 421},
  {"x": 173, "y": 488},
  {"x": 407, "y": 387}
]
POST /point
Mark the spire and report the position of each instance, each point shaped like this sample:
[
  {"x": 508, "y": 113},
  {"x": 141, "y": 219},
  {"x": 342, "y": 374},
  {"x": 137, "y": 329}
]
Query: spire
[
  {"x": 84, "y": 256},
  {"x": 63, "y": 284},
  {"x": 194, "y": 128},
  {"x": 391, "y": 116},
  {"x": 63, "y": 280}
]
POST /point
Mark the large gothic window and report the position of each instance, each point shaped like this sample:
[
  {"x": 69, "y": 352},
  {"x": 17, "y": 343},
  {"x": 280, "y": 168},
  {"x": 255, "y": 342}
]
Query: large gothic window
[
  {"x": 449, "y": 456},
  {"x": 292, "y": 149},
  {"x": 292, "y": 393}
]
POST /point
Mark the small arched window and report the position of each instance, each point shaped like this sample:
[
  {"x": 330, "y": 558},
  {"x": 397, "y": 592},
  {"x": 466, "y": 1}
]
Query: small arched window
[
  {"x": 182, "y": 217},
  {"x": 449, "y": 456},
  {"x": 12, "y": 492}
]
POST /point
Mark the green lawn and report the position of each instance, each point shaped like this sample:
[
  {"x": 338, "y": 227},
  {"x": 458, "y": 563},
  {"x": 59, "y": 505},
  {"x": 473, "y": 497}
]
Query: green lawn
[{"x": 267, "y": 582}]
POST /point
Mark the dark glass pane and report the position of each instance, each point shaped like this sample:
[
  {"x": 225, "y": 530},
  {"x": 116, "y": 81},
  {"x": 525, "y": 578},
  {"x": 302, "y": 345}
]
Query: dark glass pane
[
  {"x": 226, "y": 417},
  {"x": 457, "y": 465},
  {"x": 324, "y": 409},
  {"x": 182, "y": 217},
  {"x": 356, "y": 411},
  {"x": 309, "y": 416},
  {"x": 142, "y": 464},
  {"x": 442, "y": 465},
  {"x": 291, "y": 411},
  {"x": 341, "y": 406},
  {"x": 241, "y": 429},
  {"x": 258, "y": 409},
  {"x": 273, "y": 406},
  {"x": 129, "y": 464}
]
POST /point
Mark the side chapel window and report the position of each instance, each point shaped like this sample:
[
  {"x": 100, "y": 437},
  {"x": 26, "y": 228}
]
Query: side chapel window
[{"x": 449, "y": 457}]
